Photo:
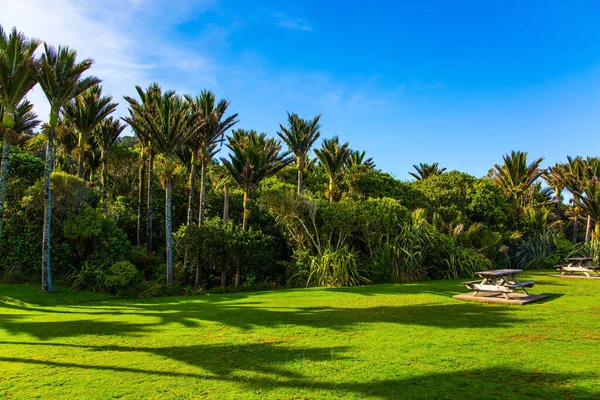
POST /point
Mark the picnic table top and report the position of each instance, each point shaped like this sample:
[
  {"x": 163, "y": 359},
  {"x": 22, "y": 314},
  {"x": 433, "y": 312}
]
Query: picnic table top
[
  {"x": 578, "y": 259},
  {"x": 499, "y": 272}
]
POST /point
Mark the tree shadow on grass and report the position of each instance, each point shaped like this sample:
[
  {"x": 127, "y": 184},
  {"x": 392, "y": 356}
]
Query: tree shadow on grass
[
  {"x": 263, "y": 367},
  {"x": 242, "y": 316},
  {"x": 47, "y": 330},
  {"x": 223, "y": 359}
]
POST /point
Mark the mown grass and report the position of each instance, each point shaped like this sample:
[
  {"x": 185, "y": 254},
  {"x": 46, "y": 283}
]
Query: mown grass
[{"x": 380, "y": 342}]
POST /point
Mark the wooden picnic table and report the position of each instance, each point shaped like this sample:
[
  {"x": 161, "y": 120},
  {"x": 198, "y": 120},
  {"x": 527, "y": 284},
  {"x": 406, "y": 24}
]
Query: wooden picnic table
[
  {"x": 502, "y": 281},
  {"x": 578, "y": 264}
]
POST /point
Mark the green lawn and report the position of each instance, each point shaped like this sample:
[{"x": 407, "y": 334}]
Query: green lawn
[{"x": 383, "y": 341}]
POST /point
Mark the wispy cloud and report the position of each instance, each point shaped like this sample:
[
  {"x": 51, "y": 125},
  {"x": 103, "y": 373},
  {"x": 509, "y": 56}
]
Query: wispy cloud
[
  {"x": 297, "y": 24},
  {"x": 116, "y": 35}
]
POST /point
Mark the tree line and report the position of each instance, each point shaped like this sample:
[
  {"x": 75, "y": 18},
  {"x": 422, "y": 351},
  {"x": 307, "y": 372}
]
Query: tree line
[{"x": 336, "y": 219}]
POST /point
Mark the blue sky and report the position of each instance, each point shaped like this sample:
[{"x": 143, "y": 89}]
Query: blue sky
[{"x": 460, "y": 83}]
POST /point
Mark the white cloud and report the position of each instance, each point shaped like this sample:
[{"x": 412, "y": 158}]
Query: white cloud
[
  {"x": 297, "y": 24},
  {"x": 119, "y": 36}
]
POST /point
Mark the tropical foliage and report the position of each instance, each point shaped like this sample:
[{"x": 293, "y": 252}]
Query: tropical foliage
[{"x": 269, "y": 213}]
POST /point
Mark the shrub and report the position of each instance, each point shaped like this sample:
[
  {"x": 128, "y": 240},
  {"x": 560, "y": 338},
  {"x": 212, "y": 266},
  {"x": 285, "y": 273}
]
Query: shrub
[
  {"x": 89, "y": 276},
  {"x": 340, "y": 267},
  {"x": 121, "y": 278},
  {"x": 96, "y": 238}
]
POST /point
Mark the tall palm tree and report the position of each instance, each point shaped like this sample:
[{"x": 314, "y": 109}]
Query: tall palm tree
[
  {"x": 85, "y": 112},
  {"x": 580, "y": 177},
  {"x": 253, "y": 158},
  {"x": 517, "y": 178},
  {"x": 221, "y": 179},
  {"x": 147, "y": 154},
  {"x": 332, "y": 158},
  {"x": 424, "y": 171},
  {"x": 299, "y": 136},
  {"x": 18, "y": 75},
  {"x": 553, "y": 177},
  {"x": 65, "y": 142},
  {"x": 106, "y": 135},
  {"x": 211, "y": 133},
  {"x": 60, "y": 80},
  {"x": 358, "y": 158},
  {"x": 24, "y": 119},
  {"x": 169, "y": 126}
]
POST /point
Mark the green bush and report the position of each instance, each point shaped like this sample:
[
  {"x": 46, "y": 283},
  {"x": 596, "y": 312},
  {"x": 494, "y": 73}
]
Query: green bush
[
  {"x": 96, "y": 238},
  {"x": 336, "y": 267},
  {"x": 121, "y": 277}
]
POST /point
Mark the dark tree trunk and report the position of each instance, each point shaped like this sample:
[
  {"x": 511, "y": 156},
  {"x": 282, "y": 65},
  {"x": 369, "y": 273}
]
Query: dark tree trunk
[
  {"x": 223, "y": 277},
  {"x": 81, "y": 157},
  {"x": 149, "y": 202},
  {"x": 202, "y": 192},
  {"x": 46, "y": 277},
  {"x": 139, "y": 202},
  {"x": 104, "y": 183},
  {"x": 169, "y": 230},
  {"x": 192, "y": 195},
  {"x": 3, "y": 179},
  {"x": 226, "y": 204}
]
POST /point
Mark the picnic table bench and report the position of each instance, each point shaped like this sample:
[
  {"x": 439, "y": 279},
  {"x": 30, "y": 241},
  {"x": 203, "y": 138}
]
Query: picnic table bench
[
  {"x": 578, "y": 264},
  {"x": 501, "y": 281}
]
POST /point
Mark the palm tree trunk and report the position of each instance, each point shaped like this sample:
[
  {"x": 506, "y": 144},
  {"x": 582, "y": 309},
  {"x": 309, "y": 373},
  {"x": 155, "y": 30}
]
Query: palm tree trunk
[
  {"x": 81, "y": 157},
  {"x": 226, "y": 204},
  {"x": 192, "y": 195},
  {"x": 588, "y": 229},
  {"x": 246, "y": 211},
  {"x": 104, "y": 183},
  {"x": 139, "y": 202},
  {"x": 169, "y": 230},
  {"x": 202, "y": 192},
  {"x": 575, "y": 228},
  {"x": 190, "y": 214},
  {"x": 46, "y": 277},
  {"x": 300, "y": 161},
  {"x": 197, "y": 277},
  {"x": 331, "y": 190},
  {"x": 3, "y": 179},
  {"x": 149, "y": 202},
  {"x": 223, "y": 277}
]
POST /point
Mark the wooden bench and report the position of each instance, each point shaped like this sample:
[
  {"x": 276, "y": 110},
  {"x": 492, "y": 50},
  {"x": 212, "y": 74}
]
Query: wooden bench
[{"x": 522, "y": 284}]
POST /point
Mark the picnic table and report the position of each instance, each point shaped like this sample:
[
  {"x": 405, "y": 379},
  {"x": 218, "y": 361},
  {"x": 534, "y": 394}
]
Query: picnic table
[
  {"x": 502, "y": 281},
  {"x": 578, "y": 264}
]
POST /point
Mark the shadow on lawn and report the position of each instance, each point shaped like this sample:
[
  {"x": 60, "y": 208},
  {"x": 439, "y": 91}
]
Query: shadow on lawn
[
  {"x": 262, "y": 367},
  {"x": 242, "y": 316}
]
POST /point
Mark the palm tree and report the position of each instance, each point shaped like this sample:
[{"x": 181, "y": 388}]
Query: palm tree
[
  {"x": 106, "y": 135},
  {"x": 424, "y": 171},
  {"x": 60, "y": 80},
  {"x": 211, "y": 134},
  {"x": 85, "y": 112},
  {"x": 142, "y": 132},
  {"x": 169, "y": 125},
  {"x": 18, "y": 75},
  {"x": 299, "y": 136},
  {"x": 66, "y": 142},
  {"x": 580, "y": 177},
  {"x": 553, "y": 177},
  {"x": 332, "y": 158},
  {"x": 358, "y": 158},
  {"x": 24, "y": 119},
  {"x": 253, "y": 158},
  {"x": 221, "y": 179},
  {"x": 517, "y": 178}
]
